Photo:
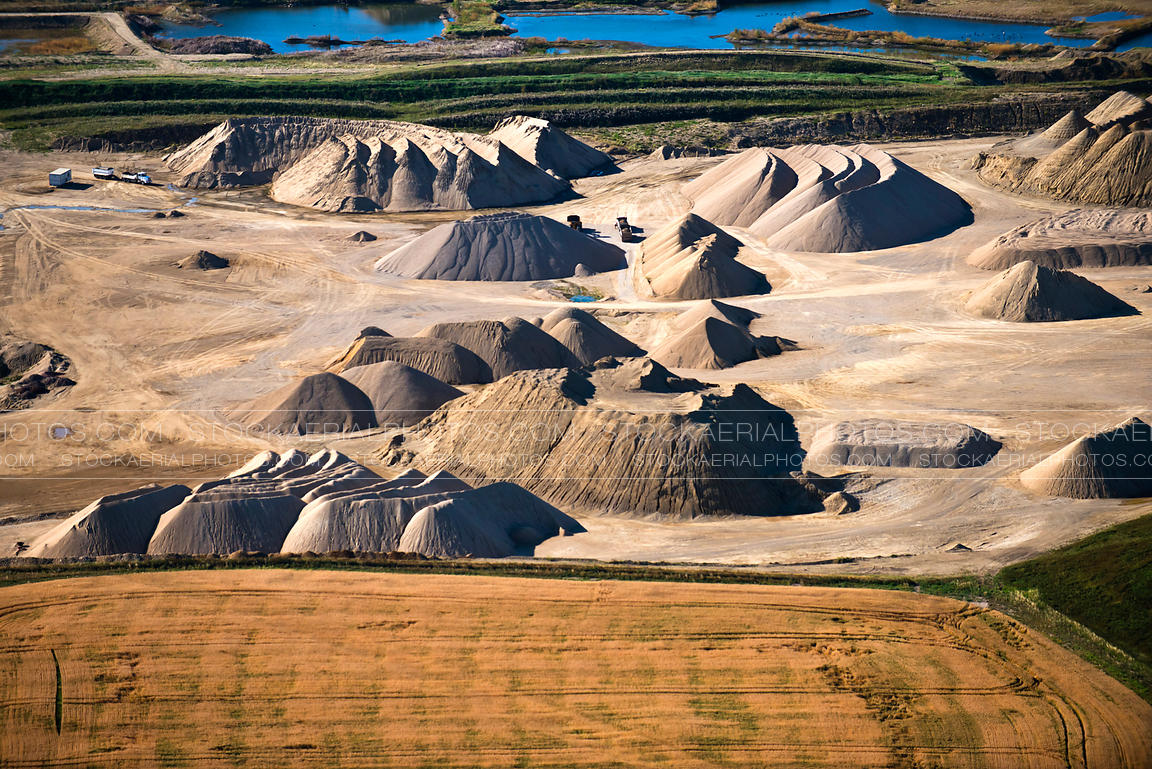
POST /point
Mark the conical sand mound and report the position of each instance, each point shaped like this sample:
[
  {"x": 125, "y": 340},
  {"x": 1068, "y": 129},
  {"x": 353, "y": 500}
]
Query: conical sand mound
[
  {"x": 115, "y": 524},
  {"x": 490, "y": 522},
  {"x": 1120, "y": 107},
  {"x": 351, "y": 165},
  {"x": 827, "y": 199},
  {"x": 1032, "y": 293},
  {"x": 892, "y": 443},
  {"x": 510, "y": 345},
  {"x": 1109, "y": 162},
  {"x": 564, "y": 436},
  {"x": 543, "y": 144},
  {"x": 714, "y": 344},
  {"x": 1081, "y": 238},
  {"x": 508, "y": 246},
  {"x": 1110, "y": 464},
  {"x": 691, "y": 258},
  {"x": 729, "y": 313},
  {"x": 400, "y": 395},
  {"x": 586, "y": 336},
  {"x": 226, "y": 519},
  {"x": 1056, "y": 135},
  {"x": 438, "y": 358},
  {"x": 368, "y": 519},
  {"x": 321, "y": 403}
]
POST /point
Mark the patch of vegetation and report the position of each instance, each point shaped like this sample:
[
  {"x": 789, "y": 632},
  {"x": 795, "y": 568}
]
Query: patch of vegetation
[
  {"x": 475, "y": 18},
  {"x": 1103, "y": 582}
]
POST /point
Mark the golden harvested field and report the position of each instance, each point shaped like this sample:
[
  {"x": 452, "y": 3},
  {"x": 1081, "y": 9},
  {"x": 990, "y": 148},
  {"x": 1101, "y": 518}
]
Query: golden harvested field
[{"x": 301, "y": 668}]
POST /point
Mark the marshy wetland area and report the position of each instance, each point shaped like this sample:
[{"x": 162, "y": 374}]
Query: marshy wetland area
[{"x": 532, "y": 383}]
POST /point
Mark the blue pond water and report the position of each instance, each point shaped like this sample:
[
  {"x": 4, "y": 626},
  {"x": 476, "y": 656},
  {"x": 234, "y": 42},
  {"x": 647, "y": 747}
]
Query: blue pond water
[
  {"x": 581, "y": 298},
  {"x": 411, "y": 22}
]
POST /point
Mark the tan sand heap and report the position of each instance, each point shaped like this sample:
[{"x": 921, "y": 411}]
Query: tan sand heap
[
  {"x": 899, "y": 443},
  {"x": 349, "y": 165},
  {"x": 113, "y": 524},
  {"x": 439, "y": 358},
  {"x": 400, "y": 395},
  {"x": 1030, "y": 293},
  {"x": 320, "y": 403},
  {"x": 691, "y": 258},
  {"x": 586, "y": 336},
  {"x": 322, "y": 503},
  {"x": 1081, "y": 238},
  {"x": 1111, "y": 464},
  {"x": 712, "y": 343},
  {"x": 543, "y": 144},
  {"x": 512, "y": 344},
  {"x": 571, "y": 438},
  {"x": 828, "y": 199},
  {"x": 506, "y": 246},
  {"x": 1108, "y": 162}
]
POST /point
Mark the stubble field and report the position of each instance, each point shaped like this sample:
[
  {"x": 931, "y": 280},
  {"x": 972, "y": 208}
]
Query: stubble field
[{"x": 290, "y": 668}]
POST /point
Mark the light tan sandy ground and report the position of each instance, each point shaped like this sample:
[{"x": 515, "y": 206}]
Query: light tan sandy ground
[
  {"x": 160, "y": 353},
  {"x": 300, "y": 668}
]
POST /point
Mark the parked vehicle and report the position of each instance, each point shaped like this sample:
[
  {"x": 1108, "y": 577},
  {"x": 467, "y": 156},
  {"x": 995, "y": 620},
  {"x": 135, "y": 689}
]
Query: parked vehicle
[
  {"x": 574, "y": 222},
  {"x": 137, "y": 178},
  {"x": 60, "y": 177},
  {"x": 102, "y": 172},
  {"x": 624, "y": 229}
]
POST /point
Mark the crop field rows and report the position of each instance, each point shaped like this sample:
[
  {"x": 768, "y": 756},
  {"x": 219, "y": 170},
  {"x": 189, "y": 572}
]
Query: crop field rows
[{"x": 265, "y": 667}]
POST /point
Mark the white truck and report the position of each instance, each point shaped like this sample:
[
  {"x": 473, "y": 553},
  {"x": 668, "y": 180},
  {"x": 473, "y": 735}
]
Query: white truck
[
  {"x": 103, "y": 172},
  {"x": 60, "y": 177},
  {"x": 137, "y": 178}
]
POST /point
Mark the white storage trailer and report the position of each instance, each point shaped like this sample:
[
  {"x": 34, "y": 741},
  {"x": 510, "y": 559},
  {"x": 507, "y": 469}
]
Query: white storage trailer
[{"x": 60, "y": 177}]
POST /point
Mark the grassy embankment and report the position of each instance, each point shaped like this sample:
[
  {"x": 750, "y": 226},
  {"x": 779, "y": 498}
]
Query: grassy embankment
[
  {"x": 1092, "y": 596},
  {"x": 588, "y": 91}
]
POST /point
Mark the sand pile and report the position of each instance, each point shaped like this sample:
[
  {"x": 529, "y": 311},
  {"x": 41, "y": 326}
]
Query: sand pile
[
  {"x": 202, "y": 260},
  {"x": 361, "y": 236},
  {"x": 400, "y": 395},
  {"x": 320, "y": 403},
  {"x": 544, "y": 145},
  {"x": 586, "y": 336},
  {"x": 712, "y": 343},
  {"x": 1108, "y": 162},
  {"x": 506, "y": 246},
  {"x": 895, "y": 443},
  {"x": 1033, "y": 293},
  {"x": 252, "y": 509},
  {"x": 32, "y": 370},
  {"x": 113, "y": 524},
  {"x": 1054, "y": 135},
  {"x": 438, "y": 358},
  {"x": 1120, "y": 107},
  {"x": 404, "y": 515},
  {"x": 1080, "y": 238},
  {"x": 377, "y": 165},
  {"x": 827, "y": 199},
  {"x": 494, "y": 521},
  {"x": 691, "y": 258},
  {"x": 505, "y": 346},
  {"x": 729, "y": 313},
  {"x": 641, "y": 375},
  {"x": 572, "y": 438},
  {"x": 1110, "y": 464}
]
